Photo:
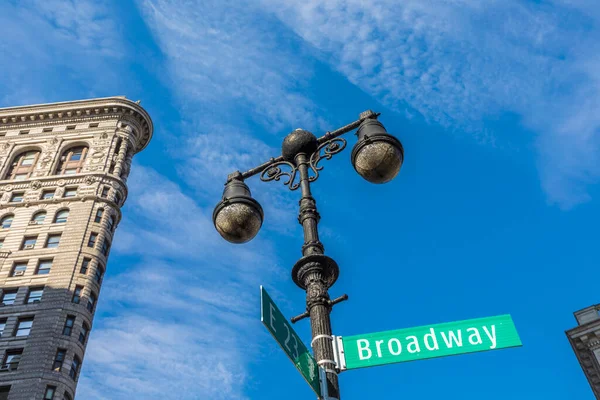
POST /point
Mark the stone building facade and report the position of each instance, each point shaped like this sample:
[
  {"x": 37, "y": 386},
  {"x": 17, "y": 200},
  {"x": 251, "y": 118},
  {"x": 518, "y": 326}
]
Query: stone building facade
[
  {"x": 585, "y": 340},
  {"x": 63, "y": 173}
]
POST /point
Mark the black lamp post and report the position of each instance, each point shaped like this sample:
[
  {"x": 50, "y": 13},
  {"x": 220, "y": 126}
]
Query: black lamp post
[{"x": 377, "y": 157}]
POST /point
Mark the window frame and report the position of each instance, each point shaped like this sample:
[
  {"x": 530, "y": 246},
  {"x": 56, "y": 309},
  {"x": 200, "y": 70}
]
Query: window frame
[
  {"x": 71, "y": 318},
  {"x": 50, "y": 392},
  {"x": 4, "y": 218},
  {"x": 70, "y": 190},
  {"x": 93, "y": 241},
  {"x": 99, "y": 215},
  {"x": 8, "y": 292},
  {"x": 44, "y": 261},
  {"x": 59, "y": 361},
  {"x": 58, "y": 215},
  {"x": 35, "y": 217},
  {"x": 50, "y": 237},
  {"x": 18, "y": 264},
  {"x": 16, "y": 168},
  {"x": 34, "y": 289},
  {"x": 18, "y": 327},
  {"x": 77, "y": 294},
  {"x": 16, "y": 353},
  {"x": 66, "y": 164},
  {"x": 19, "y": 196}
]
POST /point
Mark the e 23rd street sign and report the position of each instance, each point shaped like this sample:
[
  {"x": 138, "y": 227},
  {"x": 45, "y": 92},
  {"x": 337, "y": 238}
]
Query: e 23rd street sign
[
  {"x": 289, "y": 341},
  {"x": 431, "y": 341}
]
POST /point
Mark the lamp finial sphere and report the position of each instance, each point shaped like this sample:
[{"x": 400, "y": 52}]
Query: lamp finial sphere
[{"x": 298, "y": 141}]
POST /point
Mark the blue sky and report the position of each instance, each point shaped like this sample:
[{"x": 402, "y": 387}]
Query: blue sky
[{"x": 494, "y": 211}]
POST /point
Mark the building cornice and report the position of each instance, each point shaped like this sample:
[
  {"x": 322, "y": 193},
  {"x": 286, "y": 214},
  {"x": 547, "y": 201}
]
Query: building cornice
[{"x": 65, "y": 112}]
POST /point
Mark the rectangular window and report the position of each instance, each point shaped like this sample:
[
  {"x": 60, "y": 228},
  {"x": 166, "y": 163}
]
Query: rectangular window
[
  {"x": 48, "y": 194},
  {"x": 92, "y": 240},
  {"x": 75, "y": 367},
  {"x": 2, "y": 326},
  {"x": 3, "y": 133},
  {"x": 105, "y": 247},
  {"x": 70, "y": 171},
  {"x": 105, "y": 191},
  {"x": 17, "y": 197},
  {"x": 94, "y": 125},
  {"x": 24, "y": 132},
  {"x": 24, "y": 326},
  {"x": 29, "y": 242},
  {"x": 50, "y": 391},
  {"x": 46, "y": 130},
  {"x": 68, "y": 328},
  {"x": 91, "y": 302},
  {"x": 11, "y": 360},
  {"x": 53, "y": 241},
  {"x": 83, "y": 333},
  {"x": 8, "y": 297},
  {"x": 1, "y": 243},
  {"x": 59, "y": 359},
  {"x": 4, "y": 391},
  {"x": 77, "y": 294},
  {"x": 70, "y": 127},
  {"x": 111, "y": 222},
  {"x": 20, "y": 177},
  {"x": 19, "y": 268},
  {"x": 98, "y": 274},
  {"x": 98, "y": 217},
  {"x": 70, "y": 192},
  {"x": 85, "y": 265},
  {"x": 44, "y": 267},
  {"x": 35, "y": 295}
]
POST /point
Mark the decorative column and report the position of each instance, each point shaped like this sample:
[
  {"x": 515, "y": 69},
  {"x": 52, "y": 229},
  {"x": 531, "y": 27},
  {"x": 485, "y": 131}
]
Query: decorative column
[{"x": 121, "y": 155}]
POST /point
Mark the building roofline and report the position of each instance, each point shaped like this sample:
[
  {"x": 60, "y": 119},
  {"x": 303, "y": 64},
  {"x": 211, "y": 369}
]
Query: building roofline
[{"x": 14, "y": 116}]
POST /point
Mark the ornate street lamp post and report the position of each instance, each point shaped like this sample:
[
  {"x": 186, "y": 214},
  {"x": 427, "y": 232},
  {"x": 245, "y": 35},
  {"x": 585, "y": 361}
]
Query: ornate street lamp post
[{"x": 377, "y": 157}]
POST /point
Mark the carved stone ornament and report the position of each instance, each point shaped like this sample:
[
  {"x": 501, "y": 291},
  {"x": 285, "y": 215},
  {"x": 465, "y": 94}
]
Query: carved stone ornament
[
  {"x": 97, "y": 155},
  {"x": 36, "y": 185},
  {"x": 89, "y": 180},
  {"x": 61, "y": 182},
  {"x": 104, "y": 135},
  {"x": 8, "y": 188},
  {"x": 4, "y": 146}
]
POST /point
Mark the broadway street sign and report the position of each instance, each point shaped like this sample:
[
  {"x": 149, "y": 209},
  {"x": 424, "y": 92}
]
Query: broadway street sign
[
  {"x": 289, "y": 341},
  {"x": 452, "y": 338}
]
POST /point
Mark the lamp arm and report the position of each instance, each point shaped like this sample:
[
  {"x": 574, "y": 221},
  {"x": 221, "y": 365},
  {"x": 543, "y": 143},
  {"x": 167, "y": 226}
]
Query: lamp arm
[{"x": 325, "y": 138}]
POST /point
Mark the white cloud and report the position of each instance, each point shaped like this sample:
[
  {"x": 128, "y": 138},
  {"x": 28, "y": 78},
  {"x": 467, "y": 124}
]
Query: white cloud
[
  {"x": 228, "y": 57},
  {"x": 172, "y": 320},
  {"x": 55, "y": 46},
  {"x": 458, "y": 62}
]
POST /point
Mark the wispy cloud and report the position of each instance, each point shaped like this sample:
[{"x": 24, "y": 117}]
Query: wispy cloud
[
  {"x": 51, "y": 45},
  {"x": 172, "y": 317},
  {"x": 459, "y": 62},
  {"x": 228, "y": 56}
]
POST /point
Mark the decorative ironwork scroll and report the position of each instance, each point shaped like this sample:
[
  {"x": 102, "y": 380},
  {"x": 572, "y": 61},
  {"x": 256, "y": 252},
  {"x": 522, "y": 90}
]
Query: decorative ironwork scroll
[
  {"x": 325, "y": 151},
  {"x": 274, "y": 173}
]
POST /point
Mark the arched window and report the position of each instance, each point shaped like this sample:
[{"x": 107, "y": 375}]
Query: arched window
[
  {"x": 6, "y": 221},
  {"x": 61, "y": 217},
  {"x": 23, "y": 165},
  {"x": 71, "y": 160},
  {"x": 39, "y": 217}
]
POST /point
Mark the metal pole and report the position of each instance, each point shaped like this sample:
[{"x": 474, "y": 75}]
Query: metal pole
[{"x": 315, "y": 281}]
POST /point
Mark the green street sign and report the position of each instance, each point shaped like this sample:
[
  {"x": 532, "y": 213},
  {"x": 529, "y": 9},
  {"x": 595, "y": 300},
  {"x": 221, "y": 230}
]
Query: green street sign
[
  {"x": 430, "y": 341},
  {"x": 289, "y": 341}
]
